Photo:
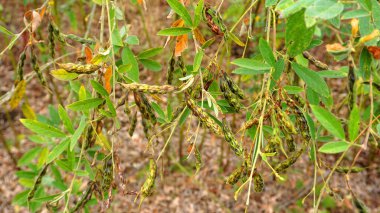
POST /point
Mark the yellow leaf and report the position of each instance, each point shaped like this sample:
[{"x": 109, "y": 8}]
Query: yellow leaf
[
  {"x": 102, "y": 141},
  {"x": 28, "y": 111},
  {"x": 198, "y": 35},
  {"x": 18, "y": 94},
  {"x": 178, "y": 23},
  {"x": 181, "y": 44}
]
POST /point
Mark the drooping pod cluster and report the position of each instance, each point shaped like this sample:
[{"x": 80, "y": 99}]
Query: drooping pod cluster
[
  {"x": 79, "y": 68},
  {"x": 231, "y": 91},
  {"x": 36, "y": 67},
  {"x": 62, "y": 37},
  {"x": 170, "y": 72},
  {"x": 152, "y": 89},
  {"x": 203, "y": 117},
  {"x": 51, "y": 39},
  {"x": 231, "y": 140},
  {"x": 207, "y": 79},
  {"x": 258, "y": 182},
  {"x": 214, "y": 21},
  {"x": 144, "y": 106},
  {"x": 133, "y": 125},
  {"x": 37, "y": 182},
  {"x": 20, "y": 66},
  {"x": 146, "y": 189},
  {"x": 182, "y": 66},
  {"x": 107, "y": 174},
  {"x": 91, "y": 185},
  {"x": 235, "y": 176}
]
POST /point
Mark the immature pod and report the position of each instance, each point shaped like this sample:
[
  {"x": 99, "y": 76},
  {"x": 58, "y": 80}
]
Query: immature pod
[
  {"x": 152, "y": 89},
  {"x": 133, "y": 124},
  {"x": 228, "y": 95},
  {"x": 258, "y": 182},
  {"x": 302, "y": 125},
  {"x": 38, "y": 181},
  {"x": 20, "y": 66},
  {"x": 235, "y": 176},
  {"x": 198, "y": 159},
  {"x": 146, "y": 127},
  {"x": 182, "y": 66},
  {"x": 36, "y": 67},
  {"x": 80, "y": 39},
  {"x": 346, "y": 169},
  {"x": 79, "y": 68},
  {"x": 351, "y": 86},
  {"x": 107, "y": 177},
  {"x": 231, "y": 140},
  {"x": 144, "y": 107},
  {"x": 148, "y": 185},
  {"x": 90, "y": 137},
  {"x": 170, "y": 72},
  {"x": 233, "y": 86},
  {"x": 85, "y": 197},
  {"x": 204, "y": 117},
  {"x": 51, "y": 40}
]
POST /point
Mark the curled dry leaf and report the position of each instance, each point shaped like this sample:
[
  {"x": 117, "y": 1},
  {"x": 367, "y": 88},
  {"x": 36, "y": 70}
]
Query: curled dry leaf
[
  {"x": 373, "y": 35},
  {"x": 335, "y": 47},
  {"x": 33, "y": 19},
  {"x": 181, "y": 44},
  {"x": 354, "y": 27},
  {"x": 375, "y": 51}
]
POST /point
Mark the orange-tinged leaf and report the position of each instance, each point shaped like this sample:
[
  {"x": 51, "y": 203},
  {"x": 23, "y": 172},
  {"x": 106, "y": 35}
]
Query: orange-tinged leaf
[
  {"x": 107, "y": 79},
  {"x": 181, "y": 44},
  {"x": 32, "y": 19},
  {"x": 198, "y": 35},
  {"x": 18, "y": 94},
  {"x": 42, "y": 12},
  {"x": 375, "y": 51},
  {"x": 178, "y": 23},
  {"x": 88, "y": 53}
]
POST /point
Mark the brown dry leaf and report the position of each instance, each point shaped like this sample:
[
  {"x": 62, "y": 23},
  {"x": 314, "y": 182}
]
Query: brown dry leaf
[
  {"x": 334, "y": 47},
  {"x": 33, "y": 18},
  {"x": 181, "y": 44},
  {"x": 18, "y": 94},
  {"x": 198, "y": 35},
  {"x": 107, "y": 79},
  {"x": 88, "y": 53},
  {"x": 375, "y": 51}
]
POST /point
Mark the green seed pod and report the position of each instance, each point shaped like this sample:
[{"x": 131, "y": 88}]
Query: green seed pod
[
  {"x": 289, "y": 161},
  {"x": 146, "y": 127},
  {"x": 51, "y": 40},
  {"x": 20, "y": 66},
  {"x": 198, "y": 159},
  {"x": 79, "y": 68},
  {"x": 286, "y": 123},
  {"x": 231, "y": 140},
  {"x": 360, "y": 206},
  {"x": 36, "y": 67},
  {"x": 90, "y": 137},
  {"x": 107, "y": 177},
  {"x": 233, "y": 86},
  {"x": 144, "y": 106},
  {"x": 235, "y": 176},
  {"x": 148, "y": 185},
  {"x": 38, "y": 181},
  {"x": 204, "y": 117},
  {"x": 259, "y": 182},
  {"x": 345, "y": 169},
  {"x": 133, "y": 124},
  {"x": 85, "y": 197},
  {"x": 80, "y": 39},
  {"x": 152, "y": 89},
  {"x": 170, "y": 72},
  {"x": 207, "y": 77},
  {"x": 228, "y": 95}
]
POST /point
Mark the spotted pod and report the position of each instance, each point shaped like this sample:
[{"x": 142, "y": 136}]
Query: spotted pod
[
  {"x": 346, "y": 169},
  {"x": 147, "y": 125},
  {"x": 133, "y": 124},
  {"x": 258, "y": 182},
  {"x": 290, "y": 143},
  {"x": 85, "y": 197},
  {"x": 233, "y": 86},
  {"x": 152, "y": 89},
  {"x": 207, "y": 77},
  {"x": 57, "y": 32},
  {"x": 80, "y": 39},
  {"x": 286, "y": 123},
  {"x": 107, "y": 177},
  {"x": 144, "y": 107},
  {"x": 182, "y": 66},
  {"x": 148, "y": 185},
  {"x": 214, "y": 21},
  {"x": 20, "y": 66},
  {"x": 231, "y": 140},
  {"x": 51, "y": 40},
  {"x": 198, "y": 159},
  {"x": 271, "y": 146},
  {"x": 90, "y": 137},
  {"x": 235, "y": 176},
  {"x": 170, "y": 72},
  {"x": 37, "y": 182},
  {"x": 79, "y": 68},
  {"x": 282, "y": 166},
  {"x": 230, "y": 97},
  {"x": 36, "y": 67},
  {"x": 204, "y": 117}
]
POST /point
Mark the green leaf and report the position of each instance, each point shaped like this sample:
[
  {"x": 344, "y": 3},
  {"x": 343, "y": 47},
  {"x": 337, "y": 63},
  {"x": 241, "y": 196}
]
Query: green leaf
[
  {"x": 29, "y": 156},
  {"x": 198, "y": 13},
  {"x": 297, "y": 36},
  {"x": 324, "y": 9},
  {"x": 312, "y": 79},
  {"x": 181, "y": 11},
  {"x": 6, "y": 31},
  {"x": 354, "y": 124},
  {"x": 332, "y": 74},
  {"x": 85, "y": 104},
  {"x": 42, "y": 129},
  {"x": 78, "y": 132},
  {"x": 132, "y": 40},
  {"x": 355, "y": 14},
  {"x": 99, "y": 88},
  {"x": 63, "y": 75},
  {"x": 151, "y": 65},
  {"x": 116, "y": 38},
  {"x": 289, "y": 7},
  {"x": 251, "y": 64},
  {"x": 266, "y": 52},
  {"x": 329, "y": 121},
  {"x": 198, "y": 60},
  {"x": 293, "y": 89},
  {"x": 245, "y": 71},
  {"x": 57, "y": 150},
  {"x": 150, "y": 53},
  {"x": 128, "y": 57},
  {"x": 65, "y": 119},
  {"x": 334, "y": 147},
  {"x": 174, "y": 31}
]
